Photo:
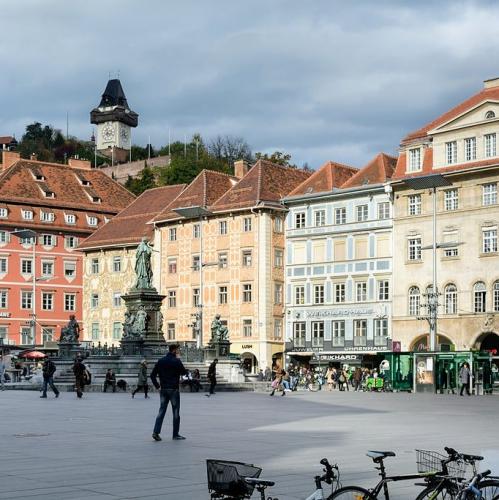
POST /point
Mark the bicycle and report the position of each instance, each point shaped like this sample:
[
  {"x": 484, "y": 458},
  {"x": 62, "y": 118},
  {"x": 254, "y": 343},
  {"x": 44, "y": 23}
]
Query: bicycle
[{"x": 236, "y": 480}]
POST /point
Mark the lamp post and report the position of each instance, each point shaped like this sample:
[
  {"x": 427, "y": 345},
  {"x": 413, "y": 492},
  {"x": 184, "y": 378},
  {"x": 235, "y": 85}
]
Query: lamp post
[{"x": 197, "y": 212}]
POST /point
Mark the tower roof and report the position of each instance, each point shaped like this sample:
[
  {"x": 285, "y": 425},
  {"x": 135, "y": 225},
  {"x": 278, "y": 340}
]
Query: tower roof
[{"x": 114, "y": 95}]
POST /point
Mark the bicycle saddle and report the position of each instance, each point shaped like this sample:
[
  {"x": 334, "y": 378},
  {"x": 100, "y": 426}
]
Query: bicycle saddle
[
  {"x": 258, "y": 482},
  {"x": 379, "y": 455}
]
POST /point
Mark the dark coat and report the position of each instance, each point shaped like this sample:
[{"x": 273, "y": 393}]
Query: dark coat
[
  {"x": 169, "y": 370},
  {"x": 48, "y": 369},
  {"x": 142, "y": 377},
  {"x": 212, "y": 371}
]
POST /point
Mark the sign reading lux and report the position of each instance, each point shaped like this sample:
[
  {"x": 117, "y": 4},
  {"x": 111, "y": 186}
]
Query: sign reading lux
[{"x": 339, "y": 312}]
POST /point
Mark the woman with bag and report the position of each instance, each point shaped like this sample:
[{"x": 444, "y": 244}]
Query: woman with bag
[
  {"x": 142, "y": 379},
  {"x": 277, "y": 382}
]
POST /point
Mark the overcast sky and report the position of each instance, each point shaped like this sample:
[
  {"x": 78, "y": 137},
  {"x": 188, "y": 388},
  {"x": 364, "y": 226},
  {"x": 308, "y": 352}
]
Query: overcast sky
[{"x": 322, "y": 80}]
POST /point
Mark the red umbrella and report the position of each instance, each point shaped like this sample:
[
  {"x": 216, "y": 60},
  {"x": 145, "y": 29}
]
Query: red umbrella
[{"x": 33, "y": 355}]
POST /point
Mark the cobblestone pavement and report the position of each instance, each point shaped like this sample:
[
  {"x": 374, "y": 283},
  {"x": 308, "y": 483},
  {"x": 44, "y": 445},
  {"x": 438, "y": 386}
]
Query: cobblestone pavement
[{"x": 100, "y": 447}]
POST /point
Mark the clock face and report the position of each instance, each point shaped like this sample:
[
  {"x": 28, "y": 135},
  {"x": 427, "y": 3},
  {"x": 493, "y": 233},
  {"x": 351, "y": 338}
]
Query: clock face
[
  {"x": 124, "y": 134},
  {"x": 108, "y": 133}
]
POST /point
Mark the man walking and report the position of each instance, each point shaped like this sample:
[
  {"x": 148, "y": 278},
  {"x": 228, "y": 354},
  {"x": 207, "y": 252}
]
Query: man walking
[
  {"x": 168, "y": 369},
  {"x": 464, "y": 378},
  {"x": 48, "y": 370},
  {"x": 2, "y": 372},
  {"x": 79, "y": 370},
  {"x": 212, "y": 377}
]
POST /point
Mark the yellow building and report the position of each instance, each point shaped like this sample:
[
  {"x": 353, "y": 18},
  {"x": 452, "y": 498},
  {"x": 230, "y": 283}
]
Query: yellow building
[{"x": 222, "y": 252}]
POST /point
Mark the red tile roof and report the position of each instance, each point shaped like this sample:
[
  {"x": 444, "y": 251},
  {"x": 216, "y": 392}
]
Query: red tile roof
[
  {"x": 331, "y": 175},
  {"x": 7, "y": 139},
  {"x": 482, "y": 96},
  {"x": 131, "y": 224},
  {"x": 379, "y": 170},
  {"x": 264, "y": 184}
]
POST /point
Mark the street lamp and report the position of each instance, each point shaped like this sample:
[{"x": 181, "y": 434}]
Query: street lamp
[{"x": 197, "y": 212}]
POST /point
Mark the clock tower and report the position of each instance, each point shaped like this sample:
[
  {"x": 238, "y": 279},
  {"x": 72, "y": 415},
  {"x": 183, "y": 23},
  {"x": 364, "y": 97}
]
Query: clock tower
[{"x": 114, "y": 120}]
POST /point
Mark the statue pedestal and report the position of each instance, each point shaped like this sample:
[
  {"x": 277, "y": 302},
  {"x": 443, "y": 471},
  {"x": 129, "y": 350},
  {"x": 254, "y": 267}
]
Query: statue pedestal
[
  {"x": 219, "y": 349},
  {"x": 132, "y": 347},
  {"x": 68, "y": 350}
]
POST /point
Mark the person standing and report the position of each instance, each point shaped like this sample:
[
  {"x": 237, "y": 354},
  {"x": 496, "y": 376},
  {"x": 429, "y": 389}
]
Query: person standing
[
  {"x": 168, "y": 369},
  {"x": 48, "y": 370},
  {"x": 464, "y": 378},
  {"x": 2, "y": 373},
  {"x": 142, "y": 379},
  {"x": 357, "y": 379},
  {"x": 212, "y": 377},
  {"x": 330, "y": 377},
  {"x": 80, "y": 372}
]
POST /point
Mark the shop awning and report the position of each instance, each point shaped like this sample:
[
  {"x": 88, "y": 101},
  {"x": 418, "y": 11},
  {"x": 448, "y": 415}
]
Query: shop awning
[{"x": 300, "y": 353}]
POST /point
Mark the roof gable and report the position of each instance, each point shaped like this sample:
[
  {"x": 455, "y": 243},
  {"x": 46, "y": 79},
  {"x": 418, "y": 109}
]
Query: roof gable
[{"x": 378, "y": 171}]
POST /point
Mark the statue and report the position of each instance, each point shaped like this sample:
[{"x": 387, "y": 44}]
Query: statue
[
  {"x": 219, "y": 332},
  {"x": 70, "y": 332},
  {"x": 140, "y": 325},
  {"x": 128, "y": 324},
  {"x": 143, "y": 268}
]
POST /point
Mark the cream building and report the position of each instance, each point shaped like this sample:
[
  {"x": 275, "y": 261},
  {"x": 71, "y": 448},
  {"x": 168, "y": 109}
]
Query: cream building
[{"x": 462, "y": 146}]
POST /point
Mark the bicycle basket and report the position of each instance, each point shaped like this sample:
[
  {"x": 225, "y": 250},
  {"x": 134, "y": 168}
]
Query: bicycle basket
[
  {"x": 227, "y": 478},
  {"x": 431, "y": 461}
]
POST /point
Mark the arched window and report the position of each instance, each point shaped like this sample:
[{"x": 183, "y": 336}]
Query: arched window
[
  {"x": 489, "y": 115},
  {"x": 496, "y": 296},
  {"x": 414, "y": 301},
  {"x": 450, "y": 294},
  {"x": 479, "y": 296}
]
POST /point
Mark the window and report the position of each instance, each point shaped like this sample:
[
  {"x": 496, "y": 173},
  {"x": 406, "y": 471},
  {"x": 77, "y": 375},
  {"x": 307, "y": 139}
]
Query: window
[
  {"x": 70, "y": 218},
  {"x": 451, "y": 201},
  {"x": 450, "y": 297},
  {"x": 117, "y": 264},
  {"x": 470, "y": 149},
  {"x": 479, "y": 296},
  {"x": 490, "y": 145},
  {"x": 172, "y": 298},
  {"x": 318, "y": 294},
  {"x": 69, "y": 269},
  {"x": 222, "y": 227},
  {"x": 70, "y": 241},
  {"x": 489, "y": 194},
  {"x": 414, "y": 206},
  {"x": 247, "y": 292},
  {"x": 414, "y": 249},
  {"x": 3, "y": 264},
  {"x": 361, "y": 291},
  {"x": 26, "y": 300},
  {"x": 116, "y": 299},
  {"x": 247, "y": 224},
  {"x": 92, "y": 220},
  {"x": 451, "y": 152},
  {"x": 299, "y": 295},
  {"x": 95, "y": 331},
  {"x": 196, "y": 263},
  {"x": 94, "y": 301},
  {"x": 320, "y": 218},
  {"x": 383, "y": 290},
  {"x": 496, "y": 296},
  {"x": 277, "y": 329},
  {"x": 48, "y": 240},
  {"x": 27, "y": 214},
  {"x": 5, "y": 237},
  {"x": 196, "y": 297},
  {"x": 380, "y": 332},
  {"x": 247, "y": 258},
  {"x": 70, "y": 302},
  {"x": 47, "y": 216},
  {"x": 3, "y": 334},
  {"x": 362, "y": 212},
  {"x": 340, "y": 215},
  {"x": 489, "y": 240},
  {"x": 489, "y": 115},
  {"x": 247, "y": 327},
  {"x": 360, "y": 332},
  {"x": 223, "y": 260},
  {"x": 451, "y": 252},
  {"x": 117, "y": 329},
  {"x": 339, "y": 293},
  {"x": 26, "y": 336},
  {"x": 4, "y": 299},
  {"x": 26, "y": 266},
  {"x": 414, "y": 301},
  {"x": 47, "y": 334},
  {"x": 172, "y": 234},
  {"x": 47, "y": 301},
  {"x": 338, "y": 333},
  {"x": 414, "y": 159},
  {"x": 196, "y": 231},
  {"x": 222, "y": 295},
  {"x": 170, "y": 331},
  {"x": 384, "y": 210},
  {"x": 47, "y": 268},
  {"x": 317, "y": 333},
  {"x": 299, "y": 334},
  {"x": 95, "y": 266},
  {"x": 299, "y": 220},
  {"x": 3, "y": 213},
  {"x": 278, "y": 225},
  {"x": 172, "y": 266},
  {"x": 278, "y": 257},
  {"x": 278, "y": 295}
]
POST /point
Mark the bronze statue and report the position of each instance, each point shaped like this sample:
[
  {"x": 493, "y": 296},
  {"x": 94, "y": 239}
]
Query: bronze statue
[
  {"x": 141, "y": 318},
  {"x": 128, "y": 324},
  {"x": 219, "y": 332},
  {"x": 143, "y": 268},
  {"x": 70, "y": 332}
]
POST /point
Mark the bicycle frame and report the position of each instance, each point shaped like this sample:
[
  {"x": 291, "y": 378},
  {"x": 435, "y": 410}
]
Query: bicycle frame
[{"x": 383, "y": 483}]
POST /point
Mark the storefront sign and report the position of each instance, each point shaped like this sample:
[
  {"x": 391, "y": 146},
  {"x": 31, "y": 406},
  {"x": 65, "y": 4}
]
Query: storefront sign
[
  {"x": 339, "y": 357},
  {"x": 339, "y": 312},
  {"x": 247, "y": 346},
  {"x": 4, "y": 314},
  {"x": 365, "y": 348}
]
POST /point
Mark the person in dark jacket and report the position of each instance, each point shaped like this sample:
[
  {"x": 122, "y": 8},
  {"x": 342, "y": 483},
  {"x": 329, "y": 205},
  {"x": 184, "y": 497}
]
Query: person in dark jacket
[
  {"x": 169, "y": 369},
  {"x": 212, "y": 377},
  {"x": 48, "y": 370},
  {"x": 142, "y": 379},
  {"x": 80, "y": 371},
  {"x": 110, "y": 380}
]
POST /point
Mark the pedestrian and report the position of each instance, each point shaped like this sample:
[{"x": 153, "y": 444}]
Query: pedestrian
[
  {"x": 357, "y": 379},
  {"x": 330, "y": 377},
  {"x": 142, "y": 380},
  {"x": 267, "y": 374},
  {"x": 2, "y": 373},
  {"x": 110, "y": 380},
  {"x": 277, "y": 382},
  {"x": 212, "y": 377},
  {"x": 169, "y": 369},
  {"x": 48, "y": 370},
  {"x": 196, "y": 380},
  {"x": 81, "y": 376},
  {"x": 464, "y": 378}
]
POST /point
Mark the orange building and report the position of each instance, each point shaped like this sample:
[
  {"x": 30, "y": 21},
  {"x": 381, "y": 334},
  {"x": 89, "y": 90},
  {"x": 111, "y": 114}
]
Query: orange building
[{"x": 53, "y": 206}]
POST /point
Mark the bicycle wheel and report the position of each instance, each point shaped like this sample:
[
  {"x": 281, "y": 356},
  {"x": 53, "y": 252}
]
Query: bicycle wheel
[
  {"x": 489, "y": 489},
  {"x": 438, "y": 492},
  {"x": 351, "y": 493}
]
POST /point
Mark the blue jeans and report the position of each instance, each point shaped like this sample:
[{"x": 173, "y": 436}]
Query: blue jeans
[
  {"x": 49, "y": 381},
  {"x": 166, "y": 396},
  {"x": 285, "y": 384}
]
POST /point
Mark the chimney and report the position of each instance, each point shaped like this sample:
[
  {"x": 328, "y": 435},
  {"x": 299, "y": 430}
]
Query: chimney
[
  {"x": 9, "y": 158},
  {"x": 492, "y": 82},
  {"x": 241, "y": 168},
  {"x": 77, "y": 163},
  {"x": 33, "y": 157}
]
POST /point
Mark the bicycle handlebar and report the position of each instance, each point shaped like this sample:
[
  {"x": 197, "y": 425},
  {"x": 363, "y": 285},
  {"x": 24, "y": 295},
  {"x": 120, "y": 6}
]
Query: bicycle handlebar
[
  {"x": 453, "y": 454},
  {"x": 484, "y": 474}
]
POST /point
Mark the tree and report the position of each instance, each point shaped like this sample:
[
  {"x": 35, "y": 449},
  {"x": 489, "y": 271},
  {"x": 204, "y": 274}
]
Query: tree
[
  {"x": 146, "y": 180},
  {"x": 229, "y": 149},
  {"x": 277, "y": 157}
]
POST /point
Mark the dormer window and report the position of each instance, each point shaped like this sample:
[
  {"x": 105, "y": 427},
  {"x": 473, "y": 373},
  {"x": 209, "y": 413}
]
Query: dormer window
[
  {"x": 3, "y": 213},
  {"x": 49, "y": 194},
  {"x": 92, "y": 220},
  {"x": 96, "y": 199},
  {"x": 47, "y": 216},
  {"x": 70, "y": 218},
  {"x": 27, "y": 214},
  {"x": 37, "y": 174},
  {"x": 489, "y": 115},
  {"x": 414, "y": 160}
]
